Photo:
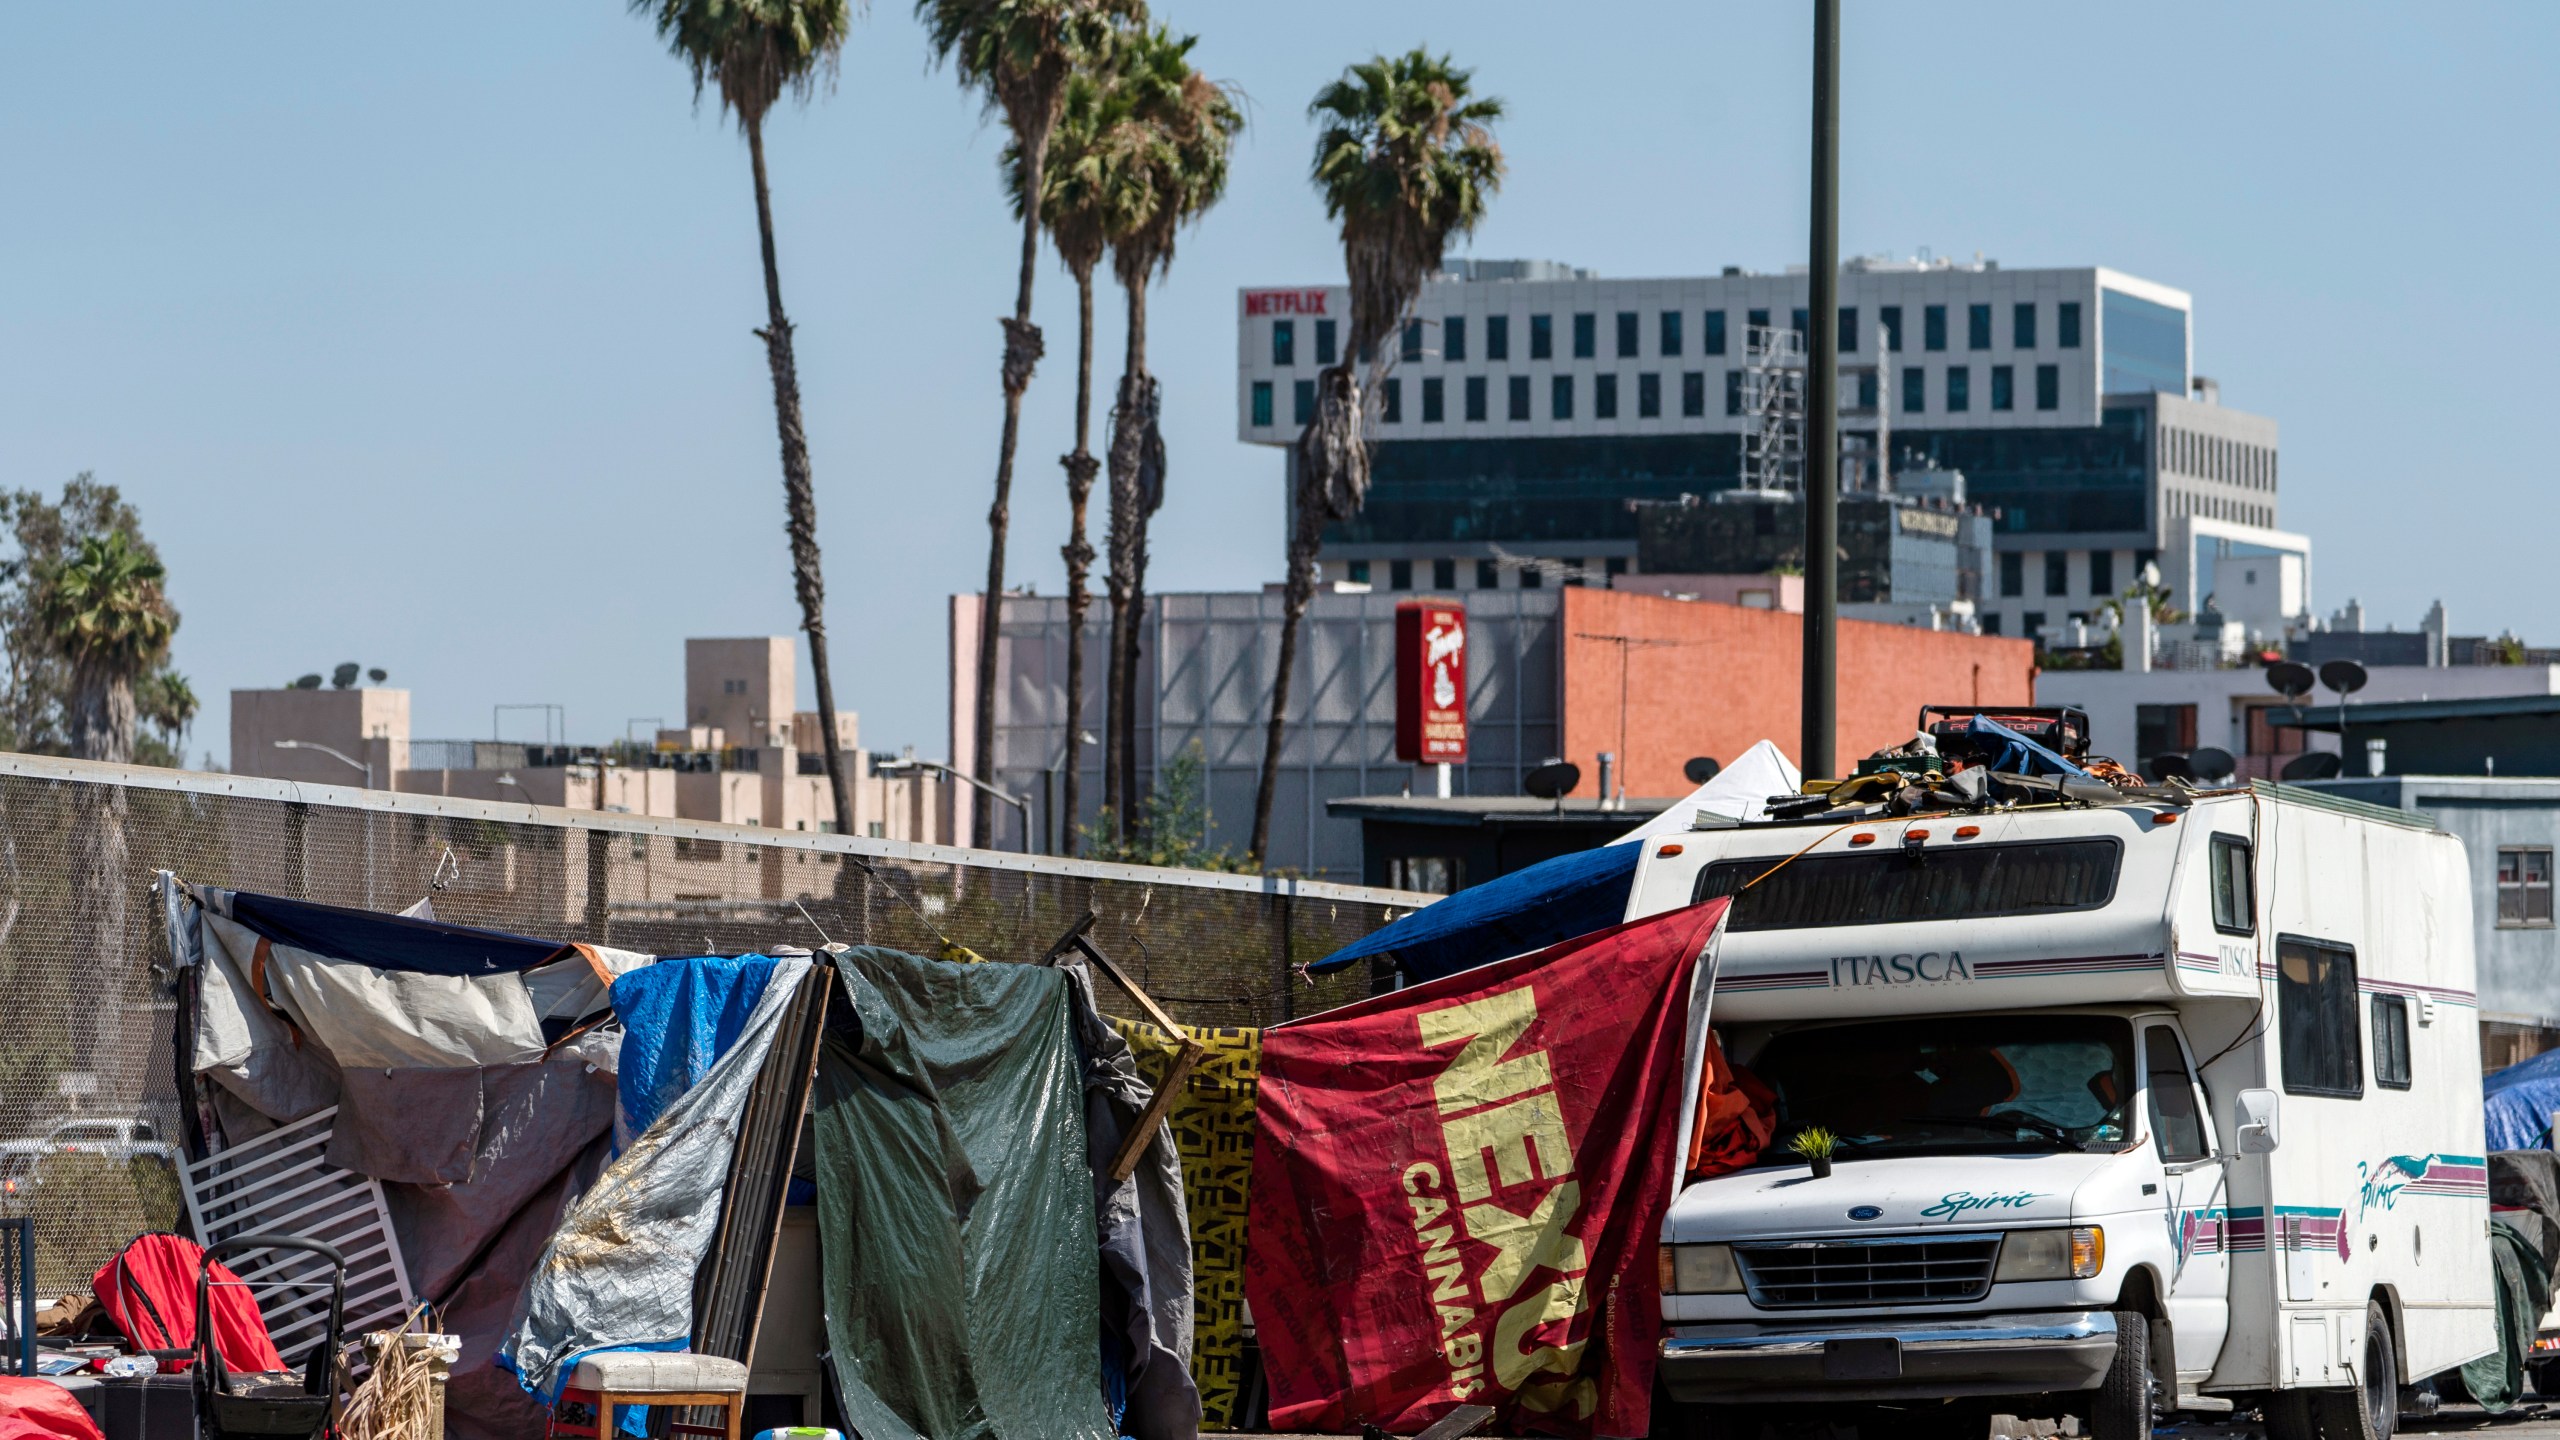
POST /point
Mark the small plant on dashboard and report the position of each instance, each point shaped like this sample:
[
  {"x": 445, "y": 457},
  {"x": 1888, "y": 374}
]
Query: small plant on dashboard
[{"x": 1816, "y": 1145}]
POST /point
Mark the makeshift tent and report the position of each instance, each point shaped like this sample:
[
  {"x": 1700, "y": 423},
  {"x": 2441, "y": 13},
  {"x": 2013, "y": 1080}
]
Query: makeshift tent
[
  {"x": 1555, "y": 900},
  {"x": 2521, "y": 1100}
]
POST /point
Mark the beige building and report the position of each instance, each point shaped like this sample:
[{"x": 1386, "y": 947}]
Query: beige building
[{"x": 743, "y": 756}]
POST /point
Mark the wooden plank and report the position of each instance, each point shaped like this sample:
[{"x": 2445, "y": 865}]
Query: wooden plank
[
  {"x": 1151, "y": 1119},
  {"x": 1119, "y": 977}
]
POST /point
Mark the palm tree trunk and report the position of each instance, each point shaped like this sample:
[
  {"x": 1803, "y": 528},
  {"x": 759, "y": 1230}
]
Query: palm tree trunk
[
  {"x": 1129, "y": 427},
  {"x": 1305, "y": 537},
  {"x": 102, "y": 718},
  {"x": 1079, "y": 557},
  {"x": 799, "y": 497},
  {"x": 1021, "y": 353}
]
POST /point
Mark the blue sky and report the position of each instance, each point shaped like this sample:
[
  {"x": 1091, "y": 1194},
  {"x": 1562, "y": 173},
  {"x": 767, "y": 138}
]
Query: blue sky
[{"x": 421, "y": 334}]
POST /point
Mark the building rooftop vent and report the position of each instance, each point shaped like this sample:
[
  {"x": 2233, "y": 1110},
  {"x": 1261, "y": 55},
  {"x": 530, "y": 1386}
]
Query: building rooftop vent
[{"x": 1470, "y": 269}]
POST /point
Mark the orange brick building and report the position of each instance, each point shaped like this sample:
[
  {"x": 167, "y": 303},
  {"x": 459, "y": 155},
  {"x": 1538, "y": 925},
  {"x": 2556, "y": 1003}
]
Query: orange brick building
[{"x": 1706, "y": 679}]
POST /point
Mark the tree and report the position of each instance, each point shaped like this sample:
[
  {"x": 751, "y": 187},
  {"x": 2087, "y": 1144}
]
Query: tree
[
  {"x": 166, "y": 703},
  {"x": 1404, "y": 162},
  {"x": 751, "y": 51},
  {"x": 1173, "y": 163},
  {"x": 1019, "y": 54}
]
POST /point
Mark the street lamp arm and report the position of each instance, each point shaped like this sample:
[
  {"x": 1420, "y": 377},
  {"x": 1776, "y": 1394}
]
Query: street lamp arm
[{"x": 340, "y": 756}]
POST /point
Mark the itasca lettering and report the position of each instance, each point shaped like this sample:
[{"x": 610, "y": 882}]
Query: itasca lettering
[{"x": 1929, "y": 967}]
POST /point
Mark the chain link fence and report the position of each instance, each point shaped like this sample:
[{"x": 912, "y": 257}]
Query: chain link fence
[{"x": 89, "y": 1080}]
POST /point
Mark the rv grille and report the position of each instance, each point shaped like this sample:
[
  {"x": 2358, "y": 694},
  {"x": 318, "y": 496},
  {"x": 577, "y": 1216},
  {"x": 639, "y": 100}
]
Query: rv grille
[{"x": 1885, "y": 1270}]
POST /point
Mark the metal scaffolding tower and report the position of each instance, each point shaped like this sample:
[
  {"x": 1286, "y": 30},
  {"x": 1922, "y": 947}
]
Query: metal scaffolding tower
[{"x": 1773, "y": 365}]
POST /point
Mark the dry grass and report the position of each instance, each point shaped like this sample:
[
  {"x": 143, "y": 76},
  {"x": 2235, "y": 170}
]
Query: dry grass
[{"x": 403, "y": 1398}]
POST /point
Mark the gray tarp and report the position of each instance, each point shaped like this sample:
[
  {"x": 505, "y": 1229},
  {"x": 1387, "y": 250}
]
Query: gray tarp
[
  {"x": 955, "y": 1204},
  {"x": 1146, "y": 1230},
  {"x": 618, "y": 1273}
]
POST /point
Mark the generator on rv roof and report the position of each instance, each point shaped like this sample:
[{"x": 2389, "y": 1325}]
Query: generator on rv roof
[
  {"x": 1972, "y": 757},
  {"x": 2063, "y": 729}
]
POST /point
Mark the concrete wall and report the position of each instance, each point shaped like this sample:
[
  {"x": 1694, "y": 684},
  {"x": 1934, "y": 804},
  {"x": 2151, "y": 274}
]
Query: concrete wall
[
  {"x": 1706, "y": 679},
  {"x": 744, "y": 686},
  {"x": 370, "y": 725}
]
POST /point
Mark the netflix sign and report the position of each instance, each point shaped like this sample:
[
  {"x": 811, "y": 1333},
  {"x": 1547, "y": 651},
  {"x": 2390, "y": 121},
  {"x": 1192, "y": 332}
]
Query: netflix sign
[
  {"x": 1431, "y": 682},
  {"x": 1284, "y": 302}
]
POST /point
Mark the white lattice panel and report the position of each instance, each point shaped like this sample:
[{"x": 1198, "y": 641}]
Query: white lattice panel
[{"x": 281, "y": 1184}]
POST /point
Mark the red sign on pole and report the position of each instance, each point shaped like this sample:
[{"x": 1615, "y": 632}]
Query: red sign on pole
[{"x": 1431, "y": 682}]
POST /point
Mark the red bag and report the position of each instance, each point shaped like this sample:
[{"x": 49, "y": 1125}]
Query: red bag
[
  {"x": 149, "y": 1290},
  {"x": 1458, "y": 1189},
  {"x": 32, "y": 1408}
]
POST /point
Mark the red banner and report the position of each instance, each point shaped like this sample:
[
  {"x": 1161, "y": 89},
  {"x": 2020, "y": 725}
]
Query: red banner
[{"x": 1458, "y": 1189}]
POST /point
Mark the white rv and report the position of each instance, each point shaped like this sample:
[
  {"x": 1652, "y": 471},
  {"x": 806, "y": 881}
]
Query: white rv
[{"x": 2145, "y": 1106}]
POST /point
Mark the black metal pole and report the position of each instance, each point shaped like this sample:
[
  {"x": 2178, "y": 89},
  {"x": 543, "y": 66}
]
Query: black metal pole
[{"x": 1822, "y": 409}]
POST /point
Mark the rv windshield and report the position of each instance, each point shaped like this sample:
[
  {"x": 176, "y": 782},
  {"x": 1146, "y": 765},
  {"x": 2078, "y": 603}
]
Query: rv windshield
[{"x": 1949, "y": 1086}]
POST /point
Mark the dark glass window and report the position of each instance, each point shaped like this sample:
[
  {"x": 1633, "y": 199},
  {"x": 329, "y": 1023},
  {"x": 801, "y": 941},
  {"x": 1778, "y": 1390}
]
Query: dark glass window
[
  {"x": 1412, "y": 347},
  {"x": 2316, "y": 1018},
  {"x": 1560, "y": 397},
  {"x": 1358, "y": 570},
  {"x": 2524, "y": 887},
  {"x": 1713, "y": 341},
  {"x": 2031, "y": 626},
  {"x": 1848, "y": 333},
  {"x": 2145, "y": 345},
  {"x": 1670, "y": 336},
  {"x": 1889, "y": 320},
  {"x": 1915, "y": 390},
  {"x": 1391, "y": 401},
  {"x": 1867, "y": 390},
  {"x": 1432, "y": 403},
  {"x": 1532, "y": 578},
  {"x": 1626, "y": 334},
  {"x": 1444, "y": 574},
  {"x": 2013, "y": 572},
  {"x": 1261, "y": 402},
  {"x": 1453, "y": 338},
  {"x": 2022, "y": 325},
  {"x": 1604, "y": 397},
  {"x": 2057, "y": 572},
  {"x": 1757, "y": 319},
  {"x": 1586, "y": 335},
  {"x": 1971, "y": 882},
  {"x": 1475, "y": 397},
  {"x": 2177, "y": 1125},
  {"x": 2102, "y": 572},
  {"x": 1977, "y": 327},
  {"x": 1518, "y": 397},
  {"x": 2391, "y": 1042},
  {"x": 1324, "y": 342},
  {"x": 1399, "y": 574},
  {"x": 1991, "y": 623},
  {"x": 2163, "y": 730},
  {"x": 2048, "y": 387},
  {"x": 1488, "y": 577},
  {"x": 2066, "y": 324},
  {"x": 2019, "y": 1083},
  {"x": 1284, "y": 343},
  {"x": 1616, "y": 565},
  {"x": 1733, "y": 392},
  {"x": 1542, "y": 337},
  {"x": 1693, "y": 394},
  {"x": 1933, "y": 327},
  {"x": 1302, "y": 401},
  {"x": 1648, "y": 396},
  {"x": 1497, "y": 337},
  {"x": 1796, "y": 320},
  {"x": 1959, "y": 388},
  {"x": 2235, "y": 883},
  {"x": 2004, "y": 388}
]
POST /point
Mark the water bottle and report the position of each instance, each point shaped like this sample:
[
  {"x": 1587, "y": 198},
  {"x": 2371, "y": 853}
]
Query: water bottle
[{"x": 128, "y": 1365}]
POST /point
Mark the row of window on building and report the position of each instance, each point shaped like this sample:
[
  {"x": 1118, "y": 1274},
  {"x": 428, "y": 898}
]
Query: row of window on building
[
  {"x": 2057, "y": 571},
  {"x": 1670, "y": 338},
  {"x": 1444, "y": 573},
  {"x": 1955, "y": 395},
  {"x": 2211, "y": 457},
  {"x": 2184, "y": 503}
]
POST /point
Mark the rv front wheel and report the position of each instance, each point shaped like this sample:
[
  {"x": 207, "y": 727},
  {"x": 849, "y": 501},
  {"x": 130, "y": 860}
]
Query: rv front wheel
[{"x": 2122, "y": 1410}]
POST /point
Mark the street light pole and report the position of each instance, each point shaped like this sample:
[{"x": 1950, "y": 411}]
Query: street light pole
[
  {"x": 1822, "y": 409},
  {"x": 1020, "y": 805},
  {"x": 366, "y": 766}
]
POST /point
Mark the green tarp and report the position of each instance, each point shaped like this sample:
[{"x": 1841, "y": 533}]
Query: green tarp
[{"x": 956, "y": 1217}]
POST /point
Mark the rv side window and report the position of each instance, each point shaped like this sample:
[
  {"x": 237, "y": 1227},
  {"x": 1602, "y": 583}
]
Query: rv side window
[
  {"x": 2391, "y": 1042},
  {"x": 2316, "y": 1019},
  {"x": 2175, "y": 1122},
  {"x": 1967, "y": 881},
  {"x": 2235, "y": 898}
]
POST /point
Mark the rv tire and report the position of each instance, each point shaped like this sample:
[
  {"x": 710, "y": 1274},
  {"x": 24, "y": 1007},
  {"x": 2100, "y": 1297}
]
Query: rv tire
[
  {"x": 2369, "y": 1411},
  {"x": 2122, "y": 1407}
]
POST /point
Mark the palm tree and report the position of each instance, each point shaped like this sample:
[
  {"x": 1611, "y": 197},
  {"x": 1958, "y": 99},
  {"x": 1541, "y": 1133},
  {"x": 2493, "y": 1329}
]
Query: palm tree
[
  {"x": 105, "y": 613},
  {"x": 167, "y": 703},
  {"x": 751, "y": 51},
  {"x": 1020, "y": 54},
  {"x": 1174, "y": 166},
  {"x": 1405, "y": 162}
]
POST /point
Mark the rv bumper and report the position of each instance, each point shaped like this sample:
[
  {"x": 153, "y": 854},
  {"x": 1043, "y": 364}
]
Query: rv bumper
[{"x": 1920, "y": 1358}]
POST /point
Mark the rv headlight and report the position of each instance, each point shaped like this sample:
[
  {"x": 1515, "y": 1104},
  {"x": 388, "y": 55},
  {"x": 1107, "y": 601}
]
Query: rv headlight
[
  {"x": 1699, "y": 1270},
  {"x": 2074, "y": 1254}
]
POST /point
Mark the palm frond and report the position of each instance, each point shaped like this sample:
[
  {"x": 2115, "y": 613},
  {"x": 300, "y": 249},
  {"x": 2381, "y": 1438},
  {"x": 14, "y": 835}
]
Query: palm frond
[{"x": 751, "y": 51}]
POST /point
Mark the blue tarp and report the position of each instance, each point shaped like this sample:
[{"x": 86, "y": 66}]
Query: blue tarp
[
  {"x": 679, "y": 1017},
  {"x": 1526, "y": 910},
  {"x": 2521, "y": 1099},
  {"x": 391, "y": 942}
]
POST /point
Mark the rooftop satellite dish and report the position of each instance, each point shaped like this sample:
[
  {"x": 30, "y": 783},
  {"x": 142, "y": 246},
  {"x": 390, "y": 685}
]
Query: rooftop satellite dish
[
  {"x": 2171, "y": 765},
  {"x": 2344, "y": 676},
  {"x": 2316, "y": 765},
  {"x": 1553, "y": 780},
  {"x": 2212, "y": 763},
  {"x": 1701, "y": 769},
  {"x": 2291, "y": 679}
]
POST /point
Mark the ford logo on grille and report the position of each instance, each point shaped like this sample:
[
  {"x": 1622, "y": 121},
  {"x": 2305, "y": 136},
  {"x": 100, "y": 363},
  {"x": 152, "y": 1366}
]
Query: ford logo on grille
[{"x": 1864, "y": 1212}]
